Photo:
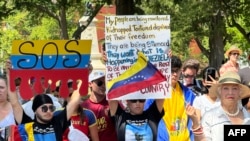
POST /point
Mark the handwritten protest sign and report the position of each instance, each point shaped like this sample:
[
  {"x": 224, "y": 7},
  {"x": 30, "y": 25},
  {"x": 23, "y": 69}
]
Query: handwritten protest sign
[
  {"x": 36, "y": 62},
  {"x": 125, "y": 36}
]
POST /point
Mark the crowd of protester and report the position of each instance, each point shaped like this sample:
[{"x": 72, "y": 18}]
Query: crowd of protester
[{"x": 197, "y": 110}]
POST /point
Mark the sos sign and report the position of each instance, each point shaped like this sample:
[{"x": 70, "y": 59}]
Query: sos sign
[{"x": 49, "y": 61}]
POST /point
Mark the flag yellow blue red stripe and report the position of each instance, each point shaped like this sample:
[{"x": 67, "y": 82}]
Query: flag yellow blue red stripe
[
  {"x": 51, "y": 47},
  {"x": 54, "y": 60},
  {"x": 140, "y": 75},
  {"x": 50, "y": 61},
  {"x": 25, "y": 131}
]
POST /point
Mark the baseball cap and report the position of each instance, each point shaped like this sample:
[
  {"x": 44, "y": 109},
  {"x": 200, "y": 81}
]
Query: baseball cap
[{"x": 96, "y": 74}]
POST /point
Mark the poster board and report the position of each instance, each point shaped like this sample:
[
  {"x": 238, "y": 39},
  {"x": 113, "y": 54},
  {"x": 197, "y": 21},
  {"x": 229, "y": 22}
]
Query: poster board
[
  {"x": 125, "y": 36},
  {"x": 39, "y": 61}
]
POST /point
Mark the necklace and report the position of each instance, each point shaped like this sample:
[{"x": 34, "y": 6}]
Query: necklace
[{"x": 232, "y": 115}]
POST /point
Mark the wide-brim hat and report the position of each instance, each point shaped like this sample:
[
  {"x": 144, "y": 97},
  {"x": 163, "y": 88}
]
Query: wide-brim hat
[
  {"x": 233, "y": 48},
  {"x": 230, "y": 78}
]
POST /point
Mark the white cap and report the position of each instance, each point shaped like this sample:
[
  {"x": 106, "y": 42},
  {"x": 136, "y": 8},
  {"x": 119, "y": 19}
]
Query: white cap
[{"x": 96, "y": 74}]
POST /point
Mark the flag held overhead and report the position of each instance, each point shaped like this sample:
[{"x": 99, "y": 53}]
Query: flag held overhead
[{"x": 140, "y": 75}]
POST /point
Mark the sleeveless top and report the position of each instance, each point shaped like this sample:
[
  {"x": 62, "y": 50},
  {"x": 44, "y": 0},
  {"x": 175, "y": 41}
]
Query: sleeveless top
[{"x": 8, "y": 120}]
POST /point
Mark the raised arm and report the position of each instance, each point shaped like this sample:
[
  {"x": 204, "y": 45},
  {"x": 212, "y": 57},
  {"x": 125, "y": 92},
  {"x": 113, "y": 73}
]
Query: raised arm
[
  {"x": 74, "y": 100},
  {"x": 113, "y": 105},
  {"x": 196, "y": 128},
  {"x": 159, "y": 104},
  {"x": 13, "y": 98}
]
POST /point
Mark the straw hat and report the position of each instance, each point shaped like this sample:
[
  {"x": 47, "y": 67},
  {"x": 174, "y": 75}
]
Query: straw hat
[
  {"x": 230, "y": 78},
  {"x": 233, "y": 48}
]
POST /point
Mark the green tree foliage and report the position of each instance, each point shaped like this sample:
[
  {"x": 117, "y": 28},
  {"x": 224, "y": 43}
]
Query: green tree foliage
[
  {"x": 6, "y": 8},
  {"x": 215, "y": 25},
  {"x": 20, "y": 26},
  {"x": 58, "y": 10},
  {"x": 206, "y": 21}
]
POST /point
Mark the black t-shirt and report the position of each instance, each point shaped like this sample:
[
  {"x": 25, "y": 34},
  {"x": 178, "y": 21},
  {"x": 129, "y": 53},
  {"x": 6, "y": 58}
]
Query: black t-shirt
[
  {"x": 137, "y": 127},
  {"x": 51, "y": 131}
]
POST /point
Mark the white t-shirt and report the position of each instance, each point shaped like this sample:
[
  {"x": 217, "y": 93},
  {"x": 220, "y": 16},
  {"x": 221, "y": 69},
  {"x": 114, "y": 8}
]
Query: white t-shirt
[{"x": 204, "y": 104}]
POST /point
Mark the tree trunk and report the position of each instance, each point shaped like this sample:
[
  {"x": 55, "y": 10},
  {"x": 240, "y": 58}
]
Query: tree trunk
[
  {"x": 125, "y": 7},
  {"x": 216, "y": 41},
  {"x": 63, "y": 23}
]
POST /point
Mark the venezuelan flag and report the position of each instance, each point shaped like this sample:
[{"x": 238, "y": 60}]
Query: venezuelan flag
[
  {"x": 140, "y": 75},
  {"x": 55, "y": 60},
  {"x": 22, "y": 132}
]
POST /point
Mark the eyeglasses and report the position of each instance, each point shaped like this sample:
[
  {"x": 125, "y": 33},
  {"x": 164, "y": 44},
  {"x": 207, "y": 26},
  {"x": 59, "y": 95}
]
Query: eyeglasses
[
  {"x": 188, "y": 76},
  {"x": 99, "y": 83},
  {"x": 235, "y": 54},
  {"x": 45, "y": 108},
  {"x": 135, "y": 100}
]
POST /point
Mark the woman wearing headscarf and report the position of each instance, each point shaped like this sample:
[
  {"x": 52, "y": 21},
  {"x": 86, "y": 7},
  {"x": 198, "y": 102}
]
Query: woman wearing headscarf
[{"x": 230, "y": 91}]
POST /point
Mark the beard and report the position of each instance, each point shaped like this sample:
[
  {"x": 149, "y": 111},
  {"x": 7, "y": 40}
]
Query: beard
[{"x": 41, "y": 119}]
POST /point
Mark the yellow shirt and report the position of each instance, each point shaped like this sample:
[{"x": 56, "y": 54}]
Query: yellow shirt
[{"x": 175, "y": 116}]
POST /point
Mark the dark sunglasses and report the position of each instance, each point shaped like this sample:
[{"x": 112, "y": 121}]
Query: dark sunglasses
[
  {"x": 99, "y": 83},
  {"x": 135, "y": 100},
  {"x": 235, "y": 54},
  {"x": 188, "y": 76},
  {"x": 45, "y": 108}
]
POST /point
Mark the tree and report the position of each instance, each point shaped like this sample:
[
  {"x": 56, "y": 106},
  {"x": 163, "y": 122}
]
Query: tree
[
  {"x": 10, "y": 32},
  {"x": 5, "y": 8},
  {"x": 205, "y": 21},
  {"x": 91, "y": 10},
  {"x": 124, "y": 7},
  {"x": 55, "y": 9}
]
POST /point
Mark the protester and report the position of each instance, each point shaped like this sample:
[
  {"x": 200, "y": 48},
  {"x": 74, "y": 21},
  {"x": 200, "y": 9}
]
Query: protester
[
  {"x": 230, "y": 91},
  {"x": 45, "y": 126},
  {"x": 175, "y": 125},
  {"x": 190, "y": 70},
  {"x": 83, "y": 125},
  {"x": 27, "y": 107},
  {"x": 6, "y": 112},
  {"x": 207, "y": 100},
  {"x": 99, "y": 105},
  {"x": 232, "y": 54},
  {"x": 134, "y": 123},
  {"x": 245, "y": 79}
]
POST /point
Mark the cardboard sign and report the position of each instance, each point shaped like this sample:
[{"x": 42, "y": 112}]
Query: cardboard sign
[
  {"x": 41, "y": 63},
  {"x": 125, "y": 36}
]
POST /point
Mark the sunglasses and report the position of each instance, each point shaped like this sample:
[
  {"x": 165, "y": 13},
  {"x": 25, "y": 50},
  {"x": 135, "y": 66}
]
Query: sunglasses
[
  {"x": 99, "y": 83},
  {"x": 45, "y": 108},
  {"x": 188, "y": 76},
  {"x": 235, "y": 54},
  {"x": 140, "y": 100}
]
